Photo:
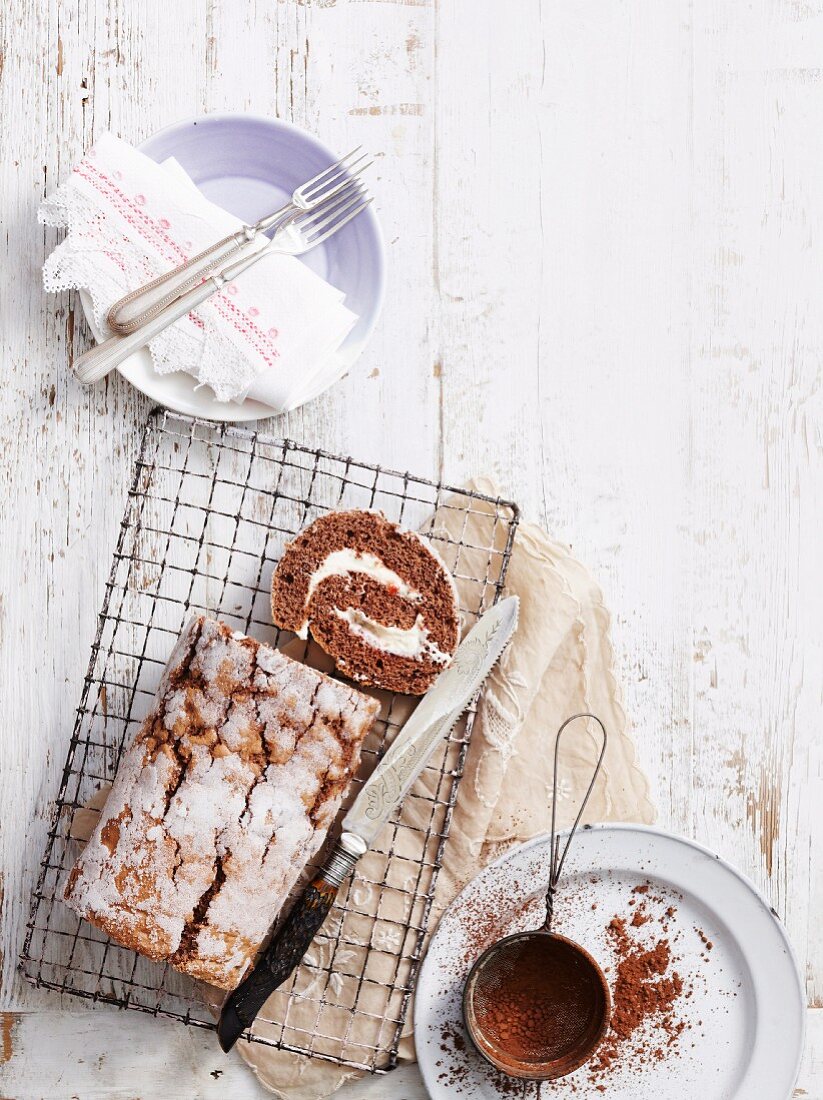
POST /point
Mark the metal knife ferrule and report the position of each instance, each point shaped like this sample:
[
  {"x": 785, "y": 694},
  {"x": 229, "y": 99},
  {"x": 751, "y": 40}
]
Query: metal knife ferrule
[{"x": 342, "y": 859}]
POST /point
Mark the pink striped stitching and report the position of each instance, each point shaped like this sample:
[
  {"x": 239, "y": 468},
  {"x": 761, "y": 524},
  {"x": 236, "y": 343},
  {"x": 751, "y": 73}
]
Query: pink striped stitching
[{"x": 134, "y": 215}]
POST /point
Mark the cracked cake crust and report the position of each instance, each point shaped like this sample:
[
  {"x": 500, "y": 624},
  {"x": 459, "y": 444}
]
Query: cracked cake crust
[{"x": 226, "y": 792}]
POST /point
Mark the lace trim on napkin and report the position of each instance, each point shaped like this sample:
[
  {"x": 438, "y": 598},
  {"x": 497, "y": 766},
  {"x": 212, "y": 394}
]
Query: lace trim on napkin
[{"x": 85, "y": 260}]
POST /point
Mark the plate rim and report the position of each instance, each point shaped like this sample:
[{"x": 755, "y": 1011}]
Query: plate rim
[
  {"x": 426, "y": 1070},
  {"x": 249, "y": 410}
]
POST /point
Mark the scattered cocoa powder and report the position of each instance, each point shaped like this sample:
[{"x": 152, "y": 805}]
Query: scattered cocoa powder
[
  {"x": 645, "y": 990},
  {"x": 640, "y": 917}
]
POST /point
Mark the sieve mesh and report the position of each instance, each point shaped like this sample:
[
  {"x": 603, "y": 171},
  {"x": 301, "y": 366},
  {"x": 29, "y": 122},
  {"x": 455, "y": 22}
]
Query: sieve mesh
[{"x": 536, "y": 1000}]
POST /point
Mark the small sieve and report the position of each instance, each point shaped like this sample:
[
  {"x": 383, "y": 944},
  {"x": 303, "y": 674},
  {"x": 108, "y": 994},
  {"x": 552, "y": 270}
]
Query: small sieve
[{"x": 536, "y": 1004}]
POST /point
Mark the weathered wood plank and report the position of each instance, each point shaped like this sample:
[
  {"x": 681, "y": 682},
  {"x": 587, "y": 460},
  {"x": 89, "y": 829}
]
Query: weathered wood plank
[
  {"x": 601, "y": 225},
  {"x": 62, "y": 1055}
]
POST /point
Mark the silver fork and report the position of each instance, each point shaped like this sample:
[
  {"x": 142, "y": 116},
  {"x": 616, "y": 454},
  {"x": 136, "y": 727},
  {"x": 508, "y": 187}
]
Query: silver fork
[
  {"x": 132, "y": 310},
  {"x": 301, "y": 231}
]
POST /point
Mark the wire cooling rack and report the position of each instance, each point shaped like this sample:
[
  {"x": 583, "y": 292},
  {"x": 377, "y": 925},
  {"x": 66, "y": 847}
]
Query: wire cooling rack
[{"x": 208, "y": 513}]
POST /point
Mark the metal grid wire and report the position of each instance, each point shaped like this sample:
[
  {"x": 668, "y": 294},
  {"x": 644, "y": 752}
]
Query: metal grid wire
[{"x": 209, "y": 511}]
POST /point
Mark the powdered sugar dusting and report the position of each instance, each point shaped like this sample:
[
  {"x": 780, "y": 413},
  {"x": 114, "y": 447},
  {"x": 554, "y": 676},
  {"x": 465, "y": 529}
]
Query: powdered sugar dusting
[{"x": 228, "y": 789}]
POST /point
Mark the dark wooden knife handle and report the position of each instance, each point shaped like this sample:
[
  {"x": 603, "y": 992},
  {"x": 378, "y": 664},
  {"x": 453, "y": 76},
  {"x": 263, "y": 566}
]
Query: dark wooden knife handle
[{"x": 284, "y": 953}]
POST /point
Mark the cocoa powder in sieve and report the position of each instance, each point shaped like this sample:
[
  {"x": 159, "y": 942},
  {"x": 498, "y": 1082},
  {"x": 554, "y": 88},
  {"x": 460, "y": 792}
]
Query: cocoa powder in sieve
[{"x": 538, "y": 1001}]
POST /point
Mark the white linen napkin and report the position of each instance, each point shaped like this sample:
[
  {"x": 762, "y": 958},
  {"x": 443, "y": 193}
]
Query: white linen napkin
[{"x": 273, "y": 335}]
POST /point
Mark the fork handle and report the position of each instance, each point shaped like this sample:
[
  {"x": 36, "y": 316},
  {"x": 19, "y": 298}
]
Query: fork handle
[
  {"x": 133, "y": 310},
  {"x": 99, "y": 361}
]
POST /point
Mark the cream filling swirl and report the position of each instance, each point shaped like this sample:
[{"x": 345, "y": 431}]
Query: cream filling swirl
[
  {"x": 413, "y": 641},
  {"x": 340, "y": 563}
]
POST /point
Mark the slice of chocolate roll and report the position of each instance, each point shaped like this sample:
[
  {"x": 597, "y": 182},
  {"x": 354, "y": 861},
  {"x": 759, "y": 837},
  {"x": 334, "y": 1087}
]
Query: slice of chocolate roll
[{"x": 376, "y": 598}]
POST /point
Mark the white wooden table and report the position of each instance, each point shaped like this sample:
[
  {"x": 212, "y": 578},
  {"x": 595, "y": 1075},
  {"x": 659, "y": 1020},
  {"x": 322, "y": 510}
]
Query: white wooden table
[{"x": 604, "y": 225}]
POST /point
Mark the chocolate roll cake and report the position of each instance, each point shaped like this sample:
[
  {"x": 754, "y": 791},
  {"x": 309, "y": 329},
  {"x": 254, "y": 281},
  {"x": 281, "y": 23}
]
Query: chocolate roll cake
[
  {"x": 377, "y": 598},
  {"x": 226, "y": 792}
]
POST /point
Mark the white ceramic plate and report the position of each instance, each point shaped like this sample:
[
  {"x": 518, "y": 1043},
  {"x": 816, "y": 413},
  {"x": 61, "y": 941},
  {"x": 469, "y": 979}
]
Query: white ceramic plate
[
  {"x": 747, "y": 1009},
  {"x": 249, "y": 165}
]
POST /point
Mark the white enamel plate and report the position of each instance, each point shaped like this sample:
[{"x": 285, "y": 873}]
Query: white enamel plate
[{"x": 744, "y": 1015}]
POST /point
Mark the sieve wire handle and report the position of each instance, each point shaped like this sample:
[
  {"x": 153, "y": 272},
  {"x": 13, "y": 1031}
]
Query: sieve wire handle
[{"x": 558, "y": 858}]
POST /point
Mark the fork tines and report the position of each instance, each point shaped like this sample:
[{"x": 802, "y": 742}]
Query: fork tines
[
  {"x": 336, "y": 176},
  {"x": 347, "y": 166},
  {"x": 346, "y": 203}
]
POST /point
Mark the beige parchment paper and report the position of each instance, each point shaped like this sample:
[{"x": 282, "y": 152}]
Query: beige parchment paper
[{"x": 559, "y": 663}]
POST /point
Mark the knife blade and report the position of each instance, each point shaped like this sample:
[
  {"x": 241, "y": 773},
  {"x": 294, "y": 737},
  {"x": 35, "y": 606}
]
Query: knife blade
[
  {"x": 402, "y": 763},
  {"x": 436, "y": 714}
]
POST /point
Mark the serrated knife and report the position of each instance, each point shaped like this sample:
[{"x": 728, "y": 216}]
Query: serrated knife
[{"x": 435, "y": 715}]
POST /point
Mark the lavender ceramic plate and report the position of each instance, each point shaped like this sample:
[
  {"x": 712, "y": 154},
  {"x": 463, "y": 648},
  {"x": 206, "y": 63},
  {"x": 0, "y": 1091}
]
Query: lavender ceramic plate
[{"x": 249, "y": 165}]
